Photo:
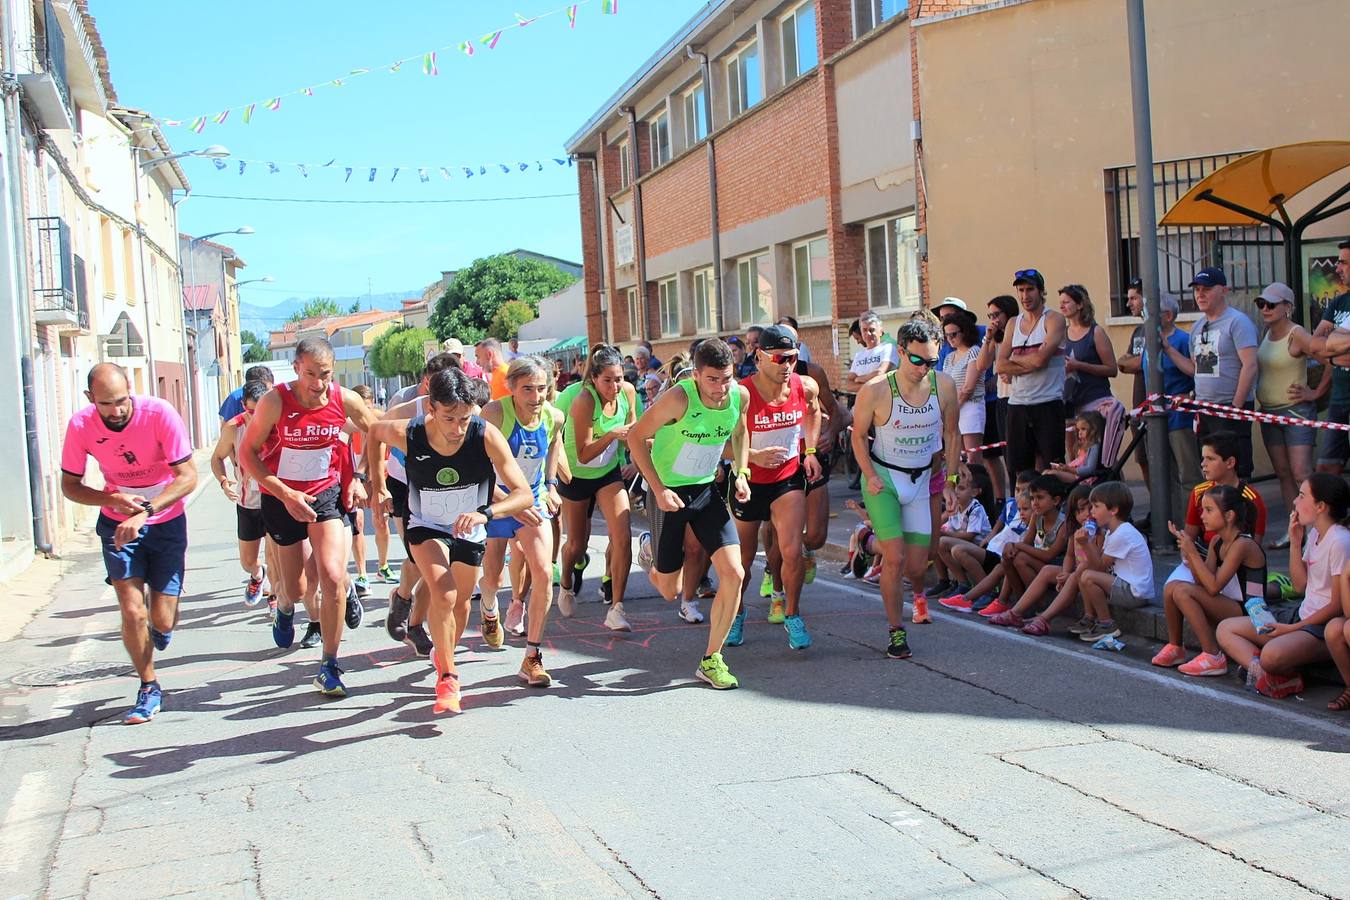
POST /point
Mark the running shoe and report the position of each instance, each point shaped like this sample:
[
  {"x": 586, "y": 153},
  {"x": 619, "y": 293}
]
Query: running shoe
[
  {"x": 766, "y": 585},
  {"x": 387, "y": 574},
  {"x": 1008, "y": 619},
  {"x": 557, "y": 574},
  {"x": 160, "y": 638},
  {"x": 577, "y": 569},
  {"x": 491, "y": 629},
  {"x": 898, "y": 647},
  {"x": 994, "y": 609},
  {"x": 149, "y": 699},
  {"x": 1170, "y": 655},
  {"x": 690, "y": 612},
  {"x": 567, "y": 603},
  {"x": 283, "y": 628},
  {"x": 355, "y": 611},
  {"x": 1037, "y": 627},
  {"x": 919, "y": 614},
  {"x": 1100, "y": 629},
  {"x": 532, "y": 671},
  {"x": 515, "y": 618},
  {"x": 362, "y": 586},
  {"x": 957, "y": 602},
  {"x": 419, "y": 640},
  {"x": 942, "y": 588},
  {"x": 873, "y": 575},
  {"x": 606, "y": 589},
  {"x": 1277, "y": 687},
  {"x": 713, "y": 671},
  {"x": 798, "y": 637},
  {"x": 1204, "y": 665},
  {"x": 447, "y": 693},
  {"x": 614, "y": 619},
  {"x": 329, "y": 680},
  {"x": 645, "y": 550},
  {"x": 313, "y": 637},
  {"x": 705, "y": 591},
  {"x": 810, "y": 574},
  {"x": 1086, "y": 623},
  {"x": 736, "y": 636},
  {"x": 271, "y": 603},
  {"x": 253, "y": 592},
  {"x": 776, "y": 609},
  {"x": 396, "y": 620}
]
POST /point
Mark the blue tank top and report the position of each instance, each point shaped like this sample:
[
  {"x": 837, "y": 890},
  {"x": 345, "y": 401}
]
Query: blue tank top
[{"x": 529, "y": 445}]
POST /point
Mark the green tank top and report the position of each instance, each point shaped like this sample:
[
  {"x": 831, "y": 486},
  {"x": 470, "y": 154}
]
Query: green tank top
[
  {"x": 686, "y": 452},
  {"x": 601, "y": 425}
]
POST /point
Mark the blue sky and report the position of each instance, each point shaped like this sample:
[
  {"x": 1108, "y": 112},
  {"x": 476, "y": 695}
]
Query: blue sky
[{"x": 519, "y": 102}]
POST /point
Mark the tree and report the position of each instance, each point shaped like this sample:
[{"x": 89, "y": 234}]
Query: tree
[
  {"x": 467, "y": 308},
  {"x": 255, "y": 348},
  {"x": 400, "y": 351},
  {"x": 509, "y": 317},
  {"x": 315, "y": 308}
]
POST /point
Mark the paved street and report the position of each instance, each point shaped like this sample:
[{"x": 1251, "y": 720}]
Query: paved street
[{"x": 988, "y": 765}]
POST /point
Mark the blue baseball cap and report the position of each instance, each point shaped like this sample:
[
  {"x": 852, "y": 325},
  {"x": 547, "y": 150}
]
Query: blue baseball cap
[{"x": 1209, "y": 276}]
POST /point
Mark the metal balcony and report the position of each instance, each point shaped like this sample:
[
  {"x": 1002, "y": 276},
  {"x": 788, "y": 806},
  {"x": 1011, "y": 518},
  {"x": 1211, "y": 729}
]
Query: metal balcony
[
  {"x": 47, "y": 91},
  {"x": 58, "y": 296}
]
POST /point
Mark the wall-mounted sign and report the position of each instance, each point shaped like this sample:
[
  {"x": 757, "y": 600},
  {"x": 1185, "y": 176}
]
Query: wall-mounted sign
[{"x": 624, "y": 254}]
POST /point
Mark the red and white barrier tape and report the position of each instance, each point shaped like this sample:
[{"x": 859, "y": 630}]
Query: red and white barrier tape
[{"x": 1222, "y": 411}]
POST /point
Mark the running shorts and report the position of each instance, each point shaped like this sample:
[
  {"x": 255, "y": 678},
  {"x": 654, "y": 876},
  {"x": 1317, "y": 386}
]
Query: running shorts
[
  {"x": 901, "y": 510},
  {"x": 706, "y": 514},
  {"x": 398, "y": 497},
  {"x": 249, "y": 524},
  {"x": 826, "y": 461},
  {"x": 581, "y": 489},
  {"x": 158, "y": 555},
  {"x": 459, "y": 551},
  {"x": 762, "y": 497},
  {"x": 507, "y": 526},
  {"x": 285, "y": 530}
]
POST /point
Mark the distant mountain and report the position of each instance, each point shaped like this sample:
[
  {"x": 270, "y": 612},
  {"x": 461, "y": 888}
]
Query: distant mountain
[{"x": 261, "y": 319}]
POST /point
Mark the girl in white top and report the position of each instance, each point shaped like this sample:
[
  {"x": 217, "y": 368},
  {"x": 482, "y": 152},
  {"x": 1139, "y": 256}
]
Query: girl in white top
[{"x": 963, "y": 365}]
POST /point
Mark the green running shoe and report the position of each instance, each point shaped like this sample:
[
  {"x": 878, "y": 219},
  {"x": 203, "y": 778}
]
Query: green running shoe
[
  {"x": 776, "y": 603},
  {"x": 557, "y": 574},
  {"x": 766, "y": 585},
  {"x": 898, "y": 648},
  {"x": 714, "y": 672},
  {"x": 810, "y": 566}
]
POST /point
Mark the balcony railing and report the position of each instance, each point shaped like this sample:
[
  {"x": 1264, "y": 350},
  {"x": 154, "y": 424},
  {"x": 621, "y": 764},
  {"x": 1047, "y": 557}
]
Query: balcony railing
[{"x": 57, "y": 296}]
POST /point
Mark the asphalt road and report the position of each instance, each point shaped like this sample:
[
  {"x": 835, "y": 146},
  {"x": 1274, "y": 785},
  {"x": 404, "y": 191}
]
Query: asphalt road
[{"x": 990, "y": 764}]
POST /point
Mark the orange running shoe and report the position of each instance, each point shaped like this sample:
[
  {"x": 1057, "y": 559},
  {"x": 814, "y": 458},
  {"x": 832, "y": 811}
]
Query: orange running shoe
[
  {"x": 919, "y": 615},
  {"x": 447, "y": 693},
  {"x": 994, "y": 609}
]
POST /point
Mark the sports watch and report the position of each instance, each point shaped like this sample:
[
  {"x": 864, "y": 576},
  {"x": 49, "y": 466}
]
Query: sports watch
[{"x": 486, "y": 510}]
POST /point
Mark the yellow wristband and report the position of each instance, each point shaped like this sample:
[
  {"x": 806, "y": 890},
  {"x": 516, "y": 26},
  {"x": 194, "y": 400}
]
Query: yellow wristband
[
  {"x": 810, "y": 451},
  {"x": 744, "y": 473},
  {"x": 953, "y": 479}
]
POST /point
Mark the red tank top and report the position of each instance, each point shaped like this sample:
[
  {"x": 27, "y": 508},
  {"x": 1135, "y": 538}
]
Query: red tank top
[
  {"x": 305, "y": 449},
  {"x": 773, "y": 425}
]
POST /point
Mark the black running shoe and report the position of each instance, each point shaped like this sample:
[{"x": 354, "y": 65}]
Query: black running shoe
[
  {"x": 312, "y": 636},
  {"x": 419, "y": 640},
  {"x": 899, "y": 645},
  {"x": 396, "y": 621},
  {"x": 355, "y": 611},
  {"x": 577, "y": 569}
]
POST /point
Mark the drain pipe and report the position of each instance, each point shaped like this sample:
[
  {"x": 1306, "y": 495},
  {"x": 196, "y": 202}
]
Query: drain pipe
[
  {"x": 713, "y": 227},
  {"x": 594, "y": 160},
  {"x": 639, "y": 239}
]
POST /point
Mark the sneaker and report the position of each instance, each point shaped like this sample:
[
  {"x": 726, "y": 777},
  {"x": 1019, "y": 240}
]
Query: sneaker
[
  {"x": 776, "y": 609},
  {"x": 312, "y": 638},
  {"x": 736, "y": 636},
  {"x": 557, "y": 574},
  {"x": 810, "y": 574},
  {"x": 994, "y": 609},
  {"x": 645, "y": 550},
  {"x": 567, "y": 603},
  {"x": 606, "y": 589},
  {"x": 532, "y": 671},
  {"x": 898, "y": 648},
  {"x": 355, "y": 610},
  {"x": 943, "y": 587},
  {"x": 396, "y": 620},
  {"x": 919, "y": 614},
  {"x": 419, "y": 640},
  {"x": 515, "y": 617},
  {"x": 387, "y": 575},
  {"x": 160, "y": 638},
  {"x": 1100, "y": 629},
  {"x": 447, "y": 694},
  {"x": 1008, "y": 619},
  {"x": 253, "y": 592},
  {"x": 614, "y": 619},
  {"x": 1037, "y": 627},
  {"x": 705, "y": 591},
  {"x": 1277, "y": 687},
  {"x": 491, "y": 629},
  {"x": 1170, "y": 655},
  {"x": 1086, "y": 623},
  {"x": 977, "y": 604},
  {"x": 362, "y": 586},
  {"x": 149, "y": 699},
  {"x": 329, "y": 681},
  {"x": 713, "y": 671},
  {"x": 798, "y": 637},
  {"x": 690, "y": 612},
  {"x": 766, "y": 585},
  {"x": 957, "y": 602},
  {"x": 873, "y": 575},
  {"x": 1205, "y": 665},
  {"x": 283, "y": 628},
  {"x": 577, "y": 569}
]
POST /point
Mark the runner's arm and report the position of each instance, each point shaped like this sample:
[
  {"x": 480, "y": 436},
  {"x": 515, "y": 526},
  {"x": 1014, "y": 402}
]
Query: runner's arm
[
  {"x": 265, "y": 418},
  {"x": 668, "y": 408},
  {"x": 393, "y": 432},
  {"x": 812, "y": 429},
  {"x": 358, "y": 411},
  {"x": 864, "y": 412},
  {"x": 590, "y": 447},
  {"x": 951, "y": 426},
  {"x": 520, "y": 497},
  {"x": 740, "y": 447},
  {"x": 224, "y": 449}
]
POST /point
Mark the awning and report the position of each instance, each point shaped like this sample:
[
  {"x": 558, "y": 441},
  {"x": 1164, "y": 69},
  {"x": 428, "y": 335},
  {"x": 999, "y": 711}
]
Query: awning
[
  {"x": 571, "y": 345},
  {"x": 1260, "y": 182}
]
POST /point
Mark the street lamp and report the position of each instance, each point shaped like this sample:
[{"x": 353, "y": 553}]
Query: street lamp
[
  {"x": 266, "y": 279},
  {"x": 215, "y": 151}
]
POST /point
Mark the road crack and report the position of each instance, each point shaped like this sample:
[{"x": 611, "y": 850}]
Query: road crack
[{"x": 614, "y": 855}]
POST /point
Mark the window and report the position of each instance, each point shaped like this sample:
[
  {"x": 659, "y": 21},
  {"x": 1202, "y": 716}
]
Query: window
[
  {"x": 868, "y": 14},
  {"x": 660, "y": 139},
  {"x": 106, "y": 263},
  {"x": 755, "y": 278},
  {"x": 704, "y": 294},
  {"x": 128, "y": 266},
  {"x": 153, "y": 299},
  {"x": 668, "y": 293},
  {"x": 811, "y": 278},
  {"x": 893, "y": 263},
  {"x": 625, "y": 165},
  {"x": 799, "y": 41},
  {"x": 695, "y": 123},
  {"x": 634, "y": 314},
  {"x": 744, "y": 88}
]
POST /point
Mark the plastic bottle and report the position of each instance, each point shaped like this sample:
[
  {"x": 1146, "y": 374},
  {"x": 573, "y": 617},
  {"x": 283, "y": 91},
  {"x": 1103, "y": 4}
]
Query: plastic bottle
[
  {"x": 1109, "y": 643},
  {"x": 1262, "y": 620},
  {"x": 1090, "y": 526}
]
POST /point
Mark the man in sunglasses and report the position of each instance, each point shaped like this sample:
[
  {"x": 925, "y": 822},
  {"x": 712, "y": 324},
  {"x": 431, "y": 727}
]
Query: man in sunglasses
[
  {"x": 1032, "y": 355},
  {"x": 1223, "y": 348},
  {"x": 1331, "y": 341},
  {"x": 913, "y": 412},
  {"x": 783, "y": 412}
]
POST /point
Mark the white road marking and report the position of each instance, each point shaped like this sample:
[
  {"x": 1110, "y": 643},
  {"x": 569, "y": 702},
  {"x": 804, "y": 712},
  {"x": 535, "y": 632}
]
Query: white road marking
[{"x": 19, "y": 836}]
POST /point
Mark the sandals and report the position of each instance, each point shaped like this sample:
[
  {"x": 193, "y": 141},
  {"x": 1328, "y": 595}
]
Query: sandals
[{"x": 1341, "y": 703}]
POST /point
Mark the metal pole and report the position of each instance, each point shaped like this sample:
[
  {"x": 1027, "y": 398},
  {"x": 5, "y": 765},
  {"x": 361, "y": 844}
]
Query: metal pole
[{"x": 1159, "y": 452}]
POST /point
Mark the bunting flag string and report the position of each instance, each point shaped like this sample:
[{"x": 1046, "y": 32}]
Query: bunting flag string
[
  {"x": 423, "y": 171},
  {"x": 428, "y": 58}
]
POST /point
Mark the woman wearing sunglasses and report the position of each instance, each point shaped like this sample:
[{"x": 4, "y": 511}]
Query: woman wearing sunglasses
[{"x": 962, "y": 365}]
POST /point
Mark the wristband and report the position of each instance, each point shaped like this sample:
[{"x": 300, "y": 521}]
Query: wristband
[
  {"x": 743, "y": 473},
  {"x": 810, "y": 451},
  {"x": 552, "y": 482},
  {"x": 953, "y": 479}
]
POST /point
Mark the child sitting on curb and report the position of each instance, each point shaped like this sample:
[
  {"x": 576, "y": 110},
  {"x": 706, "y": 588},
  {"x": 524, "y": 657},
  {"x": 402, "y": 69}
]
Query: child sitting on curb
[
  {"x": 1051, "y": 578},
  {"x": 985, "y": 564},
  {"x": 967, "y": 523},
  {"x": 1042, "y": 545}
]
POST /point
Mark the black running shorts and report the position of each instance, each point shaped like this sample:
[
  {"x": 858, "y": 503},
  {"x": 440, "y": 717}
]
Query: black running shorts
[
  {"x": 285, "y": 530},
  {"x": 706, "y": 514},
  {"x": 762, "y": 497}
]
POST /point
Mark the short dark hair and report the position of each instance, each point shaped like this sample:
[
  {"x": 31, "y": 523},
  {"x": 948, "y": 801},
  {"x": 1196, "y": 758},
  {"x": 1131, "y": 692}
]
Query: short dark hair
[
  {"x": 439, "y": 363},
  {"x": 253, "y": 391},
  {"x": 1006, "y": 304},
  {"x": 1114, "y": 495},
  {"x": 451, "y": 386},
  {"x": 315, "y": 347},
  {"x": 693, "y": 345},
  {"x": 1049, "y": 484},
  {"x": 1225, "y": 444},
  {"x": 970, "y": 333},
  {"x": 1343, "y": 245},
  {"x": 788, "y": 320},
  {"x": 1230, "y": 499},
  {"x": 920, "y": 330},
  {"x": 713, "y": 353},
  {"x": 260, "y": 373},
  {"x": 1026, "y": 476}
]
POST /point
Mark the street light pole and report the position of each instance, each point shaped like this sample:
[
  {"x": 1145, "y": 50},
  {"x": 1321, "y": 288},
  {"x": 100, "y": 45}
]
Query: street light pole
[{"x": 1159, "y": 453}]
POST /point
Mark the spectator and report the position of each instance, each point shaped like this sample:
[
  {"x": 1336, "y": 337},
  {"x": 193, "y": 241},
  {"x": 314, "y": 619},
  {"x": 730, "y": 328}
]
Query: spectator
[
  {"x": 1033, "y": 357},
  {"x": 494, "y": 365},
  {"x": 1088, "y": 430},
  {"x": 1177, "y": 368},
  {"x": 1224, "y": 351},
  {"x": 875, "y": 358},
  {"x": 1002, "y": 309},
  {"x": 948, "y": 306},
  {"x": 1331, "y": 340},
  {"x": 803, "y": 351},
  {"x": 456, "y": 349},
  {"x": 1273, "y": 659},
  {"x": 1122, "y": 575},
  {"x": 1131, "y": 361},
  {"x": 748, "y": 367},
  {"x": 968, "y": 523},
  {"x": 980, "y": 569},
  {"x": 512, "y": 351},
  {"x": 963, "y": 365},
  {"x": 737, "y": 353},
  {"x": 1051, "y": 579},
  {"x": 1042, "y": 545},
  {"x": 1089, "y": 366},
  {"x": 1282, "y": 389},
  {"x": 233, "y": 404},
  {"x": 855, "y": 332}
]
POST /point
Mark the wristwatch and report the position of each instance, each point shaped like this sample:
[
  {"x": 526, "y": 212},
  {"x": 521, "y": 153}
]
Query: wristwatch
[
  {"x": 486, "y": 510},
  {"x": 147, "y": 507}
]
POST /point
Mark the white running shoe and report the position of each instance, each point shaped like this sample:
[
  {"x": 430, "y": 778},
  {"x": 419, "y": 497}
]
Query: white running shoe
[
  {"x": 567, "y": 603},
  {"x": 515, "y": 618},
  {"x": 614, "y": 619},
  {"x": 645, "y": 550},
  {"x": 690, "y": 612}
]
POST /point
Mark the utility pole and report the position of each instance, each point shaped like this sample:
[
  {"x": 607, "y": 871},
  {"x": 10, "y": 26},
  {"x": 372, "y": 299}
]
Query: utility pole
[{"x": 1159, "y": 452}]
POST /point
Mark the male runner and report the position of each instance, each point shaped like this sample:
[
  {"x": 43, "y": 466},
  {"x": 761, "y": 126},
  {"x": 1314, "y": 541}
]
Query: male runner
[
  {"x": 244, "y": 493},
  {"x": 294, "y": 448},
  {"x": 142, "y": 448},
  {"x": 783, "y": 412},
  {"x": 689, "y": 425},
  {"x": 914, "y": 413}
]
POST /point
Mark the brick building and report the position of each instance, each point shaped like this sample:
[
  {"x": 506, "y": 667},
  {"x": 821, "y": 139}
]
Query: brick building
[{"x": 802, "y": 114}]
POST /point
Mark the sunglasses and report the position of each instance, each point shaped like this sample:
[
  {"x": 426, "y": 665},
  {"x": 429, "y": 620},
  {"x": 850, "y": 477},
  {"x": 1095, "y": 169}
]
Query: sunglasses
[
  {"x": 952, "y": 335},
  {"x": 1262, "y": 303},
  {"x": 922, "y": 361},
  {"x": 782, "y": 359},
  {"x": 1026, "y": 273}
]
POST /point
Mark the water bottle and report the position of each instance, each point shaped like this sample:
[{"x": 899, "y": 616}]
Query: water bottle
[
  {"x": 1090, "y": 526},
  {"x": 1110, "y": 642},
  {"x": 1262, "y": 620}
]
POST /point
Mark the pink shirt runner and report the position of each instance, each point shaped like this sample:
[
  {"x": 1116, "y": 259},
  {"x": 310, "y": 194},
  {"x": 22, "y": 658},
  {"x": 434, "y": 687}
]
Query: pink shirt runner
[{"x": 135, "y": 460}]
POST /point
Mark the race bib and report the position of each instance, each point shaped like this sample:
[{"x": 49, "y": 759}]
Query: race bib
[
  {"x": 304, "y": 465},
  {"x": 605, "y": 456},
  {"x": 697, "y": 460},
  {"x": 787, "y": 438},
  {"x": 531, "y": 466},
  {"x": 442, "y": 508},
  {"x": 149, "y": 491}
]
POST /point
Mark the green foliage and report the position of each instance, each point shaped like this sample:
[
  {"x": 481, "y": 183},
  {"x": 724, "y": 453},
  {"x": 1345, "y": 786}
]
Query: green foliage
[
  {"x": 467, "y": 309},
  {"x": 255, "y": 348},
  {"x": 509, "y": 317},
  {"x": 316, "y": 307},
  {"x": 354, "y": 308},
  {"x": 400, "y": 351}
]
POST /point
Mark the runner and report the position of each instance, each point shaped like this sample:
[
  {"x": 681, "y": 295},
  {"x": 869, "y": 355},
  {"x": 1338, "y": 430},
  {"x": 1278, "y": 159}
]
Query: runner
[
  {"x": 379, "y": 522},
  {"x": 689, "y": 427},
  {"x": 531, "y": 427},
  {"x": 244, "y": 493},
  {"x": 783, "y": 413},
  {"x": 142, "y": 449},
  {"x": 913, "y": 411},
  {"x": 598, "y": 421},
  {"x": 451, "y": 455},
  {"x": 294, "y": 448}
]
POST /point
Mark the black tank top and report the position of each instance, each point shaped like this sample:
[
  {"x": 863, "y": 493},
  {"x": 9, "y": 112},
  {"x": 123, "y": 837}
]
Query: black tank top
[
  {"x": 441, "y": 488},
  {"x": 1251, "y": 581}
]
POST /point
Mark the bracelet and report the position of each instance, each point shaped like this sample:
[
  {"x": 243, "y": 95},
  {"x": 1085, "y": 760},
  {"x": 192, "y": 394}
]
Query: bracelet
[
  {"x": 810, "y": 451},
  {"x": 953, "y": 479},
  {"x": 552, "y": 482},
  {"x": 743, "y": 473}
]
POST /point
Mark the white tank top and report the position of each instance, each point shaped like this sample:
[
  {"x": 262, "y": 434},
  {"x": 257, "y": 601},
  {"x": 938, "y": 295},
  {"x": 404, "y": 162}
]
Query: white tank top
[
  {"x": 393, "y": 466},
  {"x": 911, "y": 435},
  {"x": 1045, "y": 384}
]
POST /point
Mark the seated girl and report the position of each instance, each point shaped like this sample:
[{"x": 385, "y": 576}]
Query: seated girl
[
  {"x": 982, "y": 566},
  {"x": 1050, "y": 579},
  {"x": 1089, "y": 427}
]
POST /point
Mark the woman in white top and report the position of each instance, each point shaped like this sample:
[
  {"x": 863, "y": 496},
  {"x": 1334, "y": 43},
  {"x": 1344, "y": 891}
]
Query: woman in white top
[{"x": 963, "y": 365}]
